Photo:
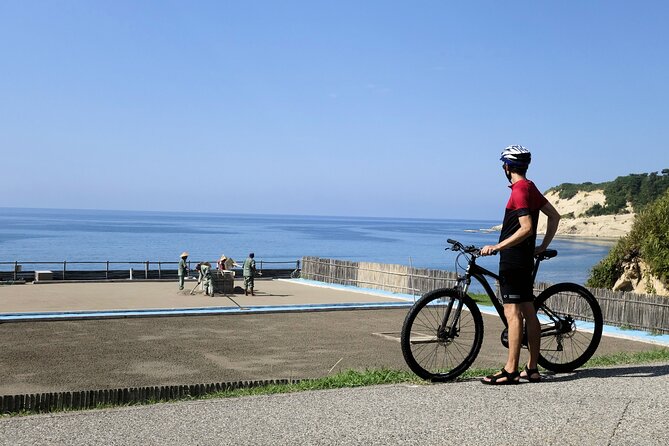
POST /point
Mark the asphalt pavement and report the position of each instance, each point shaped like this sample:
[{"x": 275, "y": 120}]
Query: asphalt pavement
[{"x": 612, "y": 406}]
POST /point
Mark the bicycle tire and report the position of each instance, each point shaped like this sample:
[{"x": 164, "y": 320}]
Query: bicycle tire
[
  {"x": 569, "y": 344},
  {"x": 434, "y": 356},
  {"x": 295, "y": 274}
]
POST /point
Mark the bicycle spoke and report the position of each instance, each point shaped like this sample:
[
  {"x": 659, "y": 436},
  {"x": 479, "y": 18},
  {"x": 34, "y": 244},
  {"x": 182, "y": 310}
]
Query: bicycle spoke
[
  {"x": 439, "y": 345},
  {"x": 571, "y": 324}
]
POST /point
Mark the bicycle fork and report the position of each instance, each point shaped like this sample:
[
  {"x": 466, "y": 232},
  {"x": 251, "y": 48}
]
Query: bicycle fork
[{"x": 445, "y": 331}]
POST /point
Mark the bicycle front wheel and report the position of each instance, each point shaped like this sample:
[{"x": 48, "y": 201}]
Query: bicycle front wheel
[
  {"x": 442, "y": 335},
  {"x": 571, "y": 326}
]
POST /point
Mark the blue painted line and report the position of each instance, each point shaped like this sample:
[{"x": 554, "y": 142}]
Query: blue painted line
[
  {"x": 608, "y": 330},
  {"x": 404, "y": 301},
  {"x": 118, "y": 314},
  {"x": 355, "y": 289}
]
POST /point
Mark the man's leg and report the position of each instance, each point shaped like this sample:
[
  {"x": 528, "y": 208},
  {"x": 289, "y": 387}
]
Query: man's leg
[
  {"x": 533, "y": 335},
  {"x": 181, "y": 282},
  {"x": 515, "y": 329},
  {"x": 514, "y": 318}
]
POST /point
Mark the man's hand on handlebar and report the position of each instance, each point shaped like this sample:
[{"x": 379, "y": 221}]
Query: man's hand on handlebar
[{"x": 488, "y": 250}]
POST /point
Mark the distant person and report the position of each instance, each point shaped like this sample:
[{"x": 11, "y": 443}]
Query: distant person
[
  {"x": 226, "y": 263},
  {"x": 517, "y": 249},
  {"x": 249, "y": 271},
  {"x": 205, "y": 274},
  {"x": 183, "y": 269},
  {"x": 221, "y": 262}
]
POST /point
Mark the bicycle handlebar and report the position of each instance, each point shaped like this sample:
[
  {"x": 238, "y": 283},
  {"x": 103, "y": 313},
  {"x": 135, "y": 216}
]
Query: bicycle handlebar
[{"x": 457, "y": 246}]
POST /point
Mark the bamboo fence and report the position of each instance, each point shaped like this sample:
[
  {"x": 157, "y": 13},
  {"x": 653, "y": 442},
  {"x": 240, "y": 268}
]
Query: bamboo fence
[
  {"x": 379, "y": 276},
  {"x": 646, "y": 312}
]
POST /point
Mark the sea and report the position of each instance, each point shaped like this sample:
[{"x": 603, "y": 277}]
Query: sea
[{"x": 57, "y": 235}]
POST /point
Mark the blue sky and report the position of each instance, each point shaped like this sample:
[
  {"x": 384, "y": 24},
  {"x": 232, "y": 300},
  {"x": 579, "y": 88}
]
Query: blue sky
[{"x": 373, "y": 108}]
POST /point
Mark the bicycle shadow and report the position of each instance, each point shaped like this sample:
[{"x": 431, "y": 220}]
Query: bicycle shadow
[{"x": 635, "y": 371}]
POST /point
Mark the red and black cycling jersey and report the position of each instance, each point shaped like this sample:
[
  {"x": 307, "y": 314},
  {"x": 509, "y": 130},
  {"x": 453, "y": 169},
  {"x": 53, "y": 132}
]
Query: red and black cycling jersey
[{"x": 525, "y": 200}]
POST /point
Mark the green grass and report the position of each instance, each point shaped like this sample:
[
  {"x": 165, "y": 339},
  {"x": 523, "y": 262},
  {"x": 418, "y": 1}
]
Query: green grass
[
  {"x": 372, "y": 377},
  {"x": 349, "y": 378},
  {"x": 353, "y": 378},
  {"x": 481, "y": 299},
  {"x": 625, "y": 358}
]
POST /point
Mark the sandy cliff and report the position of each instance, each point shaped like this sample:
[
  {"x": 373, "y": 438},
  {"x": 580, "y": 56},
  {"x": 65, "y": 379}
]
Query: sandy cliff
[{"x": 605, "y": 226}]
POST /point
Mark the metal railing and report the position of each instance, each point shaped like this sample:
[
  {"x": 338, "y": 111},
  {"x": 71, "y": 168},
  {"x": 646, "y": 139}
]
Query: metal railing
[{"x": 146, "y": 268}]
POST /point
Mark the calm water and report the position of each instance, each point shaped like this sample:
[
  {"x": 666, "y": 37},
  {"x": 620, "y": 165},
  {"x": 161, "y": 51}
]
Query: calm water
[{"x": 84, "y": 235}]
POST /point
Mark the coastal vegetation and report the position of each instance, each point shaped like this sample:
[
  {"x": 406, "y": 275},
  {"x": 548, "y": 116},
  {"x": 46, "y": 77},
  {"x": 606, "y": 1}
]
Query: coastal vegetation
[
  {"x": 635, "y": 190},
  {"x": 648, "y": 241},
  {"x": 635, "y": 210}
]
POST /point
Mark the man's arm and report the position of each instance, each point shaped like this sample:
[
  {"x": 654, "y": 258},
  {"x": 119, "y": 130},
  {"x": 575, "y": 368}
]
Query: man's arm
[
  {"x": 551, "y": 227},
  {"x": 521, "y": 234}
]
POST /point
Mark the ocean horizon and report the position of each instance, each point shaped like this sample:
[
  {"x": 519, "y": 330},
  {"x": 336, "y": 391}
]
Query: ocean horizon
[{"x": 57, "y": 235}]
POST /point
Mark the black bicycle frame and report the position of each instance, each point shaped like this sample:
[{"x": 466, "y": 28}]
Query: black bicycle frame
[{"x": 479, "y": 273}]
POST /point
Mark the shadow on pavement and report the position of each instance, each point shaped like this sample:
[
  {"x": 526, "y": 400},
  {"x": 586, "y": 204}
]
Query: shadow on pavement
[{"x": 615, "y": 372}]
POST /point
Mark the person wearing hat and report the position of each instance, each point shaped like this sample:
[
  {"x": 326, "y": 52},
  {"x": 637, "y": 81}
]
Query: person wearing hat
[
  {"x": 183, "y": 269},
  {"x": 249, "y": 270},
  {"x": 226, "y": 263},
  {"x": 222, "y": 262}
]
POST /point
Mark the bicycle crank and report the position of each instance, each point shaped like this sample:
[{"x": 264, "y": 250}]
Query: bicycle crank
[{"x": 504, "y": 338}]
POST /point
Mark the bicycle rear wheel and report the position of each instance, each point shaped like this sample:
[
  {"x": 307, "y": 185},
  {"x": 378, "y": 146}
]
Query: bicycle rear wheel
[
  {"x": 442, "y": 335},
  {"x": 571, "y": 326}
]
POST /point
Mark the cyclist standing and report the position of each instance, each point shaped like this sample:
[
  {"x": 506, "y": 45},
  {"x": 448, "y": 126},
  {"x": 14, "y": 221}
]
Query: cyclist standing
[{"x": 517, "y": 250}]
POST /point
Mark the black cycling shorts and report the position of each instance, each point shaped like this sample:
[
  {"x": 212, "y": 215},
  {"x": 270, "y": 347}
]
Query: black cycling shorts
[{"x": 516, "y": 285}]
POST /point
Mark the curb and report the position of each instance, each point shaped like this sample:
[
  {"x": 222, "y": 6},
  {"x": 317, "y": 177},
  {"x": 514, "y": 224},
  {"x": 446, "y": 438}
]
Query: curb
[{"x": 90, "y": 399}]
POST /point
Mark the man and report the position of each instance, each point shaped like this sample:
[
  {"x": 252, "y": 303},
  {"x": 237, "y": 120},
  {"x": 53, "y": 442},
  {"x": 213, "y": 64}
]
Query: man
[
  {"x": 516, "y": 248},
  {"x": 205, "y": 278},
  {"x": 249, "y": 272},
  {"x": 183, "y": 269}
]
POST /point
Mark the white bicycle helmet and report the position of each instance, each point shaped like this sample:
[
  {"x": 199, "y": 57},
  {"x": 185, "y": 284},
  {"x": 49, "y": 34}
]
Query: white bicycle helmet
[{"x": 517, "y": 156}]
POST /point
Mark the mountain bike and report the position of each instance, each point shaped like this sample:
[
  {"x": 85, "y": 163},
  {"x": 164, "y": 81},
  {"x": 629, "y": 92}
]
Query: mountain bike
[{"x": 443, "y": 331}]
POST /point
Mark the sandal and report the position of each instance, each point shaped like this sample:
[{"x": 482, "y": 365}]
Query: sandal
[
  {"x": 494, "y": 380},
  {"x": 529, "y": 375}
]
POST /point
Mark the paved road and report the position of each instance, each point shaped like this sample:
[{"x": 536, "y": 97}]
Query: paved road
[
  {"x": 117, "y": 353},
  {"x": 53, "y": 356},
  {"x": 615, "y": 406}
]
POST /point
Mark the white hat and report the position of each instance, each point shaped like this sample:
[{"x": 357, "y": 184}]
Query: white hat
[{"x": 184, "y": 254}]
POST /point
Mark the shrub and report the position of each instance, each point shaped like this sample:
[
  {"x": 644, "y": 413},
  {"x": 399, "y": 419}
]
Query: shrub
[{"x": 648, "y": 239}]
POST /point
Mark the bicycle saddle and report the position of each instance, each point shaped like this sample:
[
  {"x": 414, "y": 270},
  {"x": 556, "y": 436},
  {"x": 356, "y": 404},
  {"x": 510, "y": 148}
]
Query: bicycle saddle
[{"x": 547, "y": 254}]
